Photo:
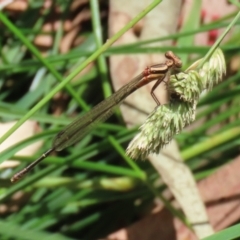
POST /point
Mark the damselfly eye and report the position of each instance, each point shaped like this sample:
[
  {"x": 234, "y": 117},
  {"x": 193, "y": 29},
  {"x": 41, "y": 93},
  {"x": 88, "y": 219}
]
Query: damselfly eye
[
  {"x": 176, "y": 60},
  {"x": 178, "y": 63},
  {"x": 169, "y": 54},
  {"x": 169, "y": 63}
]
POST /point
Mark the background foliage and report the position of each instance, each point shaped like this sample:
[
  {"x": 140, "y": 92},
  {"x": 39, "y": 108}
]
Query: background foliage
[{"x": 92, "y": 189}]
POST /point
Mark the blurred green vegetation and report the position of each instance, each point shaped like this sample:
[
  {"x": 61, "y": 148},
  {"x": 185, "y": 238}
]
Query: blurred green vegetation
[{"x": 92, "y": 189}]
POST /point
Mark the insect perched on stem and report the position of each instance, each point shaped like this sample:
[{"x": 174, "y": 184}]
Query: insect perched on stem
[{"x": 82, "y": 125}]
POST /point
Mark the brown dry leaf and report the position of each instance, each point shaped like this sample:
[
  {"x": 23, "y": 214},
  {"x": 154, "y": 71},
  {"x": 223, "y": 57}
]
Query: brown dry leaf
[
  {"x": 235, "y": 63},
  {"x": 220, "y": 197},
  {"x": 28, "y": 129},
  {"x": 156, "y": 226},
  {"x": 77, "y": 3},
  {"x": 71, "y": 26},
  {"x": 221, "y": 192},
  {"x": 182, "y": 184},
  {"x": 43, "y": 41},
  {"x": 68, "y": 39},
  {"x": 16, "y": 6}
]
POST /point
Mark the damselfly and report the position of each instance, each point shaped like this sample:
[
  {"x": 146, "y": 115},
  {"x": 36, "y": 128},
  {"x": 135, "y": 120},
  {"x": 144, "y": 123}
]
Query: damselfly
[{"x": 82, "y": 125}]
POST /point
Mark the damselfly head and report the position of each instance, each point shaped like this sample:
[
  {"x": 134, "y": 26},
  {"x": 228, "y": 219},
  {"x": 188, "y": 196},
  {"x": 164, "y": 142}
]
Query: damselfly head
[
  {"x": 176, "y": 60},
  {"x": 169, "y": 63}
]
